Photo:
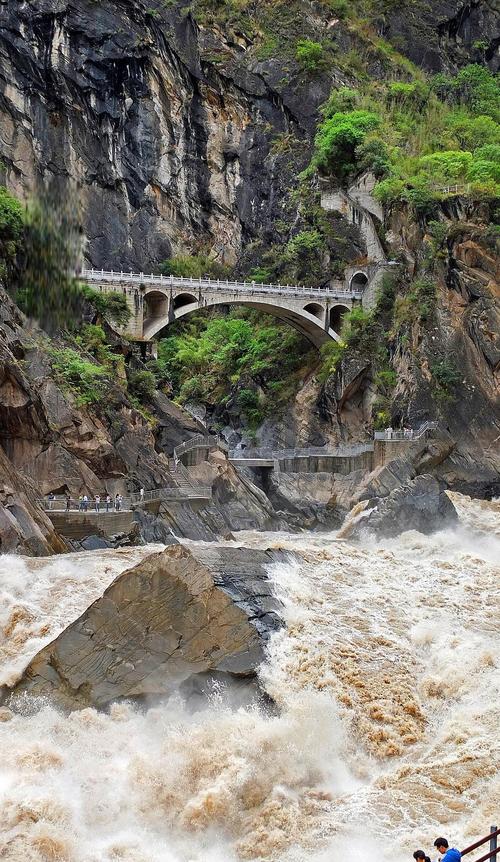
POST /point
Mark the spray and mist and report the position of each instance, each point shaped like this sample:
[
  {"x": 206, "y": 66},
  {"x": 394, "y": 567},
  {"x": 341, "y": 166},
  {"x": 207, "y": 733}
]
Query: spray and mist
[{"x": 384, "y": 731}]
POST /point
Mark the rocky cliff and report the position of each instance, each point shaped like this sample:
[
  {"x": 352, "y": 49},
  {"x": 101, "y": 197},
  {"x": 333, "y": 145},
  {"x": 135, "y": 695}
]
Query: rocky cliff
[
  {"x": 178, "y": 129},
  {"x": 173, "y": 126}
]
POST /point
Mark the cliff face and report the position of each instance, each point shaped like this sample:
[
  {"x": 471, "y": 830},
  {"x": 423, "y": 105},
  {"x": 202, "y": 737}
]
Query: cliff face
[{"x": 163, "y": 128}]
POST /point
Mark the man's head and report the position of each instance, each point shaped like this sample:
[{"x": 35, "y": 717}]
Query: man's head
[
  {"x": 419, "y": 855},
  {"x": 441, "y": 844}
]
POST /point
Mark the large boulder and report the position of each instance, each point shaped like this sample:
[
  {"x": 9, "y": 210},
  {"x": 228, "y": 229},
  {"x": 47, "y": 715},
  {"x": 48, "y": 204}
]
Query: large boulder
[
  {"x": 420, "y": 505},
  {"x": 178, "y": 613}
]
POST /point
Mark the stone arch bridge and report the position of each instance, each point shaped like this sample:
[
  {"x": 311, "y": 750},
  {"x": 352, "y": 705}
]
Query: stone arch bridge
[{"x": 157, "y": 300}]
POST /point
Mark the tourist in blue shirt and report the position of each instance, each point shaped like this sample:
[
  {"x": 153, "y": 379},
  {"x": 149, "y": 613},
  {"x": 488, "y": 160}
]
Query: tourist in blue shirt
[{"x": 448, "y": 854}]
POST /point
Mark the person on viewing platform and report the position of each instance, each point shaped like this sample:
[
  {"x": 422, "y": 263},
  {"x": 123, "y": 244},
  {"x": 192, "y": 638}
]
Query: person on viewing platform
[
  {"x": 117, "y": 502},
  {"x": 108, "y": 502},
  {"x": 85, "y": 503},
  {"x": 51, "y": 500},
  {"x": 68, "y": 502},
  {"x": 97, "y": 502},
  {"x": 420, "y": 856},
  {"x": 389, "y": 432},
  {"x": 120, "y": 501},
  {"x": 448, "y": 854},
  {"x": 80, "y": 503},
  {"x": 141, "y": 492}
]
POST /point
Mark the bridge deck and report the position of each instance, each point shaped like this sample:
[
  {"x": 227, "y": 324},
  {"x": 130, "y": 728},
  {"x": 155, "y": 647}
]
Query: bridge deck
[{"x": 100, "y": 276}]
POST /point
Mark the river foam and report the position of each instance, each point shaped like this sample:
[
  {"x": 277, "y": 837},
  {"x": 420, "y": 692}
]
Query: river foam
[{"x": 388, "y": 686}]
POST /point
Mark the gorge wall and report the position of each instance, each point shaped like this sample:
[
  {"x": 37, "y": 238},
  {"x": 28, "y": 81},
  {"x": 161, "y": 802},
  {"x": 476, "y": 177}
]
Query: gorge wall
[{"x": 161, "y": 119}]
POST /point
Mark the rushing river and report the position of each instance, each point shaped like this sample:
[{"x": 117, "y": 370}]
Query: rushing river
[{"x": 387, "y": 680}]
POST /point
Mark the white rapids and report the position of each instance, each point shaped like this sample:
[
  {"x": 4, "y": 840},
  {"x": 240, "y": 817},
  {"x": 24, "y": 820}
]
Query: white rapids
[{"x": 387, "y": 733}]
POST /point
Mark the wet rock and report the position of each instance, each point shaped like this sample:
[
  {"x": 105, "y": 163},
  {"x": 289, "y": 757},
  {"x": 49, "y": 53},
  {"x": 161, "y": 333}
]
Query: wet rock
[
  {"x": 307, "y": 500},
  {"x": 420, "y": 505},
  {"x": 178, "y": 613}
]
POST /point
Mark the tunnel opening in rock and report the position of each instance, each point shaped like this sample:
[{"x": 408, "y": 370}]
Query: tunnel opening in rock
[{"x": 358, "y": 281}]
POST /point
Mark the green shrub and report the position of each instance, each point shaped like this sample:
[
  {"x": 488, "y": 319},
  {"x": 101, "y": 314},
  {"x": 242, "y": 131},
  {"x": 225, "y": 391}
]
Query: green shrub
[
  {"x": 310, "y": 55},
  {"x": 303, "y": 255},
  {"x": 340, "y": 101},
  {"x": 446, "y": 379},
  {"x": 85, "y": 380},
  {"x": 474, "y": 86},
  {"x": 340, "y": 8},
  {"x": 112, "y": 306},
  {"x": 338, "y": 138},
  {"x": 194, "y": 266},
  {"x": 373, "y": 155},
  {"x": 142, "y": 384},
  {"x": 11, "y": 228}
]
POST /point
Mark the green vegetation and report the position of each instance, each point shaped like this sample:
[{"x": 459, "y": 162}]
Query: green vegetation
[
  {"x": 11, "y": 229},
  {"x": 112, "y": 306},
  {"x": 245, "y": 363},
  {"x": 310, "y": 55},
  {"x": 446, "y": 378},
  {"x": 84, "y": 379},
  {"x": 339, "y": 137},
  {"x": 419, "y": 138},
  {"x": 142, "y": 384},
  {"x": 194, "y": 266}
]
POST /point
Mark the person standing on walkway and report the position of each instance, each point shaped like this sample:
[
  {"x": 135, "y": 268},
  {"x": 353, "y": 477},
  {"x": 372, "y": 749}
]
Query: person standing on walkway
[
  {"x": 389, "y": 432},
  {"x": 120, "y": 501},
  {"x": 80, "y": 503},
  {"x": 51, "y": 500},
  {"x": 141, "y": 493},
  {"x": 117, "y": 502},
  {"x": 108, "y": 502},
  {"x": 85, "y": 503},
  {"x": 448, "y": 854},
  {"x": 97, "y": 503},
  {"x": 68, "y": 502}
]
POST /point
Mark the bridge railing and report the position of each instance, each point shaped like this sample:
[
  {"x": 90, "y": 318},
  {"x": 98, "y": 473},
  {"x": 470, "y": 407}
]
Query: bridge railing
[{"x": 99, "y": 276}]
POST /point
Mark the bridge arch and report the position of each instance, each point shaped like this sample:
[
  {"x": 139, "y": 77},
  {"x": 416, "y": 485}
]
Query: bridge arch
[
  {"x": 305, "y": 321},
  {"x": 358, "y": 281},
  {"x": 315, "y": 309},
  {"x": 337, "y": 315},
  {"x": 156, "y": 306},
  {"x": 183, "y": 299}
]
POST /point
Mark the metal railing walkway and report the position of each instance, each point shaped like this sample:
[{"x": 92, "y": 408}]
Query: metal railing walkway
[
  {"x": 98, "y": 276},
  {"x": 310, "y": 452},
  {"x": 406, "y": 435},
  {"x": 174, "y": 493},
  {"x": 494, "y": 848},
  {"x": 199, "y": 441}
]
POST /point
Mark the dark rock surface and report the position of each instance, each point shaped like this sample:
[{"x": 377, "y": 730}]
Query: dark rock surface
[
  {"x": 420, "y": 505},
  {"x": 185, "y": 611}
]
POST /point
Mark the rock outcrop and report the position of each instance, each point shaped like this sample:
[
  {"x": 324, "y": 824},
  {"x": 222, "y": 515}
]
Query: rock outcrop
[
  {"x": 185, "y": 611},
  {"x": 24, "y": 528},
  {"x": 420, "y": 505}
]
